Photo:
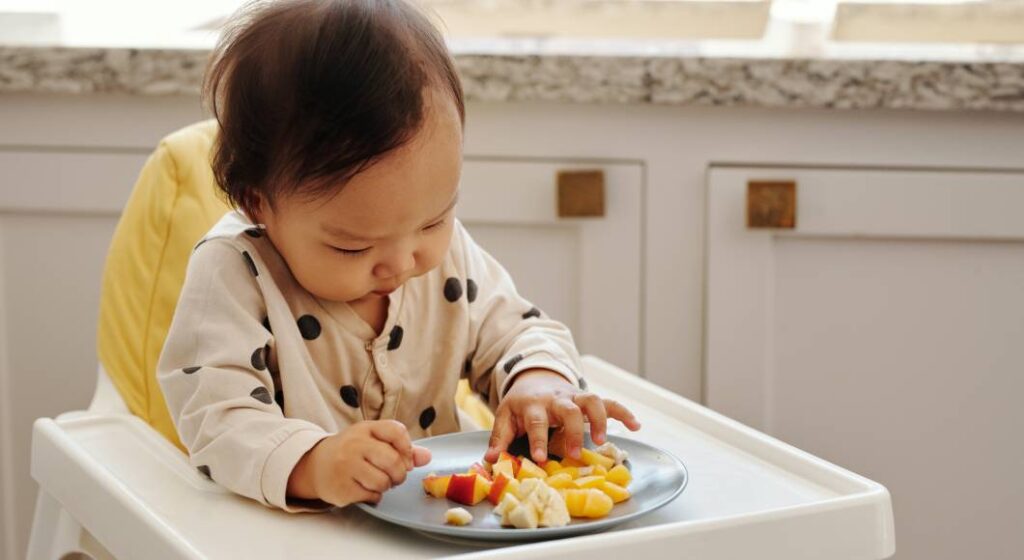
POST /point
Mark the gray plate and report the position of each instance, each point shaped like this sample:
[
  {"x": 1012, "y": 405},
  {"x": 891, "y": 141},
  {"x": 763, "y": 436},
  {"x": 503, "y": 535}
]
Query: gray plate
[{"x": 658, "y": 478}]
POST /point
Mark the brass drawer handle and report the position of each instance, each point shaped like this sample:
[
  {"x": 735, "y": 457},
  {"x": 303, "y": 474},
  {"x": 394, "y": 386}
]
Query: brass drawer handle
[
  {"x": 580, "y": 193},
  {"x": 771, "y": 204}
]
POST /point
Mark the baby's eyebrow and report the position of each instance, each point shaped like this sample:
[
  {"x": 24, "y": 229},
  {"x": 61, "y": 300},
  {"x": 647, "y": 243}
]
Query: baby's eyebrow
[{"x": 337, "y": 231}]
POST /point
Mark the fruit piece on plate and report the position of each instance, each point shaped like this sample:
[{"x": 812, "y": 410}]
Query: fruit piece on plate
[
  {"x": 529, "y": 469},
  {"x": 620, "y": 475},
  {"x": 573, "y": 472},
  {"x": 551, "y": 465},
  {"x": 560, "y": 480},
  {"x": 608, "y": 449},
  {"x": 436, "y": 486},
  {"x": 468, "y": 489},
  {"x": 591, "y": 457},
  {"x": 570, "y": 462},
  {"x": 480, "y": 470},
  {"x": 506, "y": 467},
  {"x": 523, "y": 516},
  {"x": 500, "y": 486},
  {"x": 506, "y": 456},
  {"x": 599, "y": 470},
  {"x": 589, "y": 481},
  {"x": 590, "y": 503},
  {"x": 458, "y": 516},
  {"x": 614, "y": 491},
  {"x": 538, "y": 506}
]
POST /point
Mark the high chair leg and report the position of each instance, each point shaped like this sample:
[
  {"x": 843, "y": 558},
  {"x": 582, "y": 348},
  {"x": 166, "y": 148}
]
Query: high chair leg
[{"x": 56, "y": 535}]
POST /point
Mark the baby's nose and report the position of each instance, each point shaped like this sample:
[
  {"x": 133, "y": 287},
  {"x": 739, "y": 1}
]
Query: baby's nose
[{"x": 396, "y": 266}]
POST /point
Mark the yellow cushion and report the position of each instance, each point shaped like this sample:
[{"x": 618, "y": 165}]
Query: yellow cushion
[{"x": 175, "y": 201}]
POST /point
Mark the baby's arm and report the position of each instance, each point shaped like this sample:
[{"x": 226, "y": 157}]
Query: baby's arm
[
  {"x": 526, "y": 364},
  {"x": 215, "y": 374}
]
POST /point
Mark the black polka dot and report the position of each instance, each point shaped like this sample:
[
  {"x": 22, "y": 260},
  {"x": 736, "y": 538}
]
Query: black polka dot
[
  {"x": 471, "y": 290},
  {"x": 395, "y": 340},
  {"x": 191, "y": 369},
  {"x": 309, "y": 327},
  {"x": 533, "y": 312},
  {"x": 261, "y": 394},
  {"x": 583, "y": 383},
  {"x": 254, "y": 232},
  {"x": 427, "y": 417},
  {"x": 279, "y": 398},
  {"x": 511, "y": 363},
  {"x": 266, "y": 325},
  {"x": 350, "y": 395},
  {"x": 205, "y": 471},
  {"x": 452, "y": 290},
  {"x": 259, "y": 358},
  {"x": 249, "y": 262}
]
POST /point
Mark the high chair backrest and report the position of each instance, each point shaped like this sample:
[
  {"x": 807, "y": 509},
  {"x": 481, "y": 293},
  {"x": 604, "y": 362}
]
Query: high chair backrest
[{"x": 173, "y": 204}]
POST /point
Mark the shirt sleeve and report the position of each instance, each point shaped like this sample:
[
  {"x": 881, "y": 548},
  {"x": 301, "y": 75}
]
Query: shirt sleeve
[
  {"x": 508, "y": 333},
  {"x": 215, "y": 374}
]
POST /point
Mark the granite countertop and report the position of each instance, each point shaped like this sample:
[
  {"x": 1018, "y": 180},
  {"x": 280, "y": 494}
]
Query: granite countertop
[{"x": 723, "y": 73}]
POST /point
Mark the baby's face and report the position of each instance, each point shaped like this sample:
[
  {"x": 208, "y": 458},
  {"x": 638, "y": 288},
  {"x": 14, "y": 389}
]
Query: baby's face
[{"x": 391, "y": 222}]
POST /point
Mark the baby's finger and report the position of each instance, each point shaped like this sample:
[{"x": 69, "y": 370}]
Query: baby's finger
[
  {"x": 357, "y": 493},
  {"x": 572, "y": 426},
  {"x": 502, "y": 434},
  {"x": 395, "y": 433},
  {"x": 535, "y": 420},
  {"x": 622, "y": 414},
  {"x": 420, "y": 456},
  {"x": 373, "y": 479},
  {"x": 593, "y": 407},
  {"x": 387, "y": 459}
]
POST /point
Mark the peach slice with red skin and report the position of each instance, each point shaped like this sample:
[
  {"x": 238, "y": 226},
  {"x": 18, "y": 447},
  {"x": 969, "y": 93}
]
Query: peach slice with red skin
[
  {"x": 502, "y": 484},
  {"x": 468, "y": 489},
  {"x": 436, "y": 486},
  {"x": 516, "y": 463}
]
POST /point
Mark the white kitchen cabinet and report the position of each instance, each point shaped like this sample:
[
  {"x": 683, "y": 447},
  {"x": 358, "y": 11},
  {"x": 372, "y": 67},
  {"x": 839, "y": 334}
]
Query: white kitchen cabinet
[
  {"x": 883, "y": 332},
  {"x": 584, "y": 272}
]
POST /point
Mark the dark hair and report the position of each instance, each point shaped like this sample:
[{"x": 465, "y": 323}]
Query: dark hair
[{"x": 308, "y": 93}]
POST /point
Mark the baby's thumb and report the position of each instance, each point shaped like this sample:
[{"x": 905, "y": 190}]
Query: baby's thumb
[{"x": 420, "y": 455}]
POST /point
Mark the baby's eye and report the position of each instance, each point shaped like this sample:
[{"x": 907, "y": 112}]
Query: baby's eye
[
  {"x": 435, "y": 225},
  {"x": 351, "y": 252}
]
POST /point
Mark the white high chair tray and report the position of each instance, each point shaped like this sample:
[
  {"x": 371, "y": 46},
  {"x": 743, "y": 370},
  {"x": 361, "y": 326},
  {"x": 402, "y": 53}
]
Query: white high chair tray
[{"x": 748, "y": 495}]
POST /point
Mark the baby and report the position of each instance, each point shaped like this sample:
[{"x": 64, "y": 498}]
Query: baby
[{"x": 324, "y": 324}]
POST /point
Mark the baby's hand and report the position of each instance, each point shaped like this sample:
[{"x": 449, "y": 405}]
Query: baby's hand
[
  {"x": 358, "y": 464},
  {"x": 540, "y": 398}
]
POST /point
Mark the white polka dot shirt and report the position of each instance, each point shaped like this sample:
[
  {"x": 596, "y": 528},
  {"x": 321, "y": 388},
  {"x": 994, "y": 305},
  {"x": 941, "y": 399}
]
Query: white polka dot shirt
[{"x": 256, "y": 370}]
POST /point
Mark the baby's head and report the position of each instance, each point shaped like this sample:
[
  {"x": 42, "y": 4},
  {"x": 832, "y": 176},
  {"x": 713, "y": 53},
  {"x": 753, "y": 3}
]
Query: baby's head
[{"x": 341, "y": 131}]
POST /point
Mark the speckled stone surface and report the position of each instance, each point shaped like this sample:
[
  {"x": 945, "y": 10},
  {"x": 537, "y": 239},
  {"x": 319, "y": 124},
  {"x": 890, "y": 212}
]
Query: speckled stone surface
[{"x": 670, "y": 78}]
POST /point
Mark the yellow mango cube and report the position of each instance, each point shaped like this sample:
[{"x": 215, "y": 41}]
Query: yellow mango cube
[
  {"x": 552, "y": 466},
  {"x": 614, "y": 491},
  {"x": 573, "y": 472},
  {"x": 620, "y": 475},
  {"x": 590, "y": 482},
  {"x": 591, "y": 457},
  {"x": 590, "y": 503},
  {"x": 570, "y": 462},
  {"x": 561, "y": 480},
  {"x": 529, "y": 469},
  {"x": 600, "y": 471}
]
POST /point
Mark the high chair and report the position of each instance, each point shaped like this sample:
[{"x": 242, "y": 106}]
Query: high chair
[
  {"x": 114, "y": 481},
  {"x": 174, "y": 202}
]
